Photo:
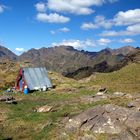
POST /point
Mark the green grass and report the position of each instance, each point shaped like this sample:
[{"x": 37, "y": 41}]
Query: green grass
[
  {"x": 23, "y": 122},
  {"x": 125, "y": 80}
]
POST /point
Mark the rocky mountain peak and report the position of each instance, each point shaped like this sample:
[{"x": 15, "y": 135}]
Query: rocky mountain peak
[{"x": 7, "y": 54}]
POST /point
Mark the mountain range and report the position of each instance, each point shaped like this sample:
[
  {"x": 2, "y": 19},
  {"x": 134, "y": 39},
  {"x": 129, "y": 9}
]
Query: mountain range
[
  {"x": 103, "y": 67},
  {"x": 7, "y": 54},
  {"x": 69, "y": 61}
]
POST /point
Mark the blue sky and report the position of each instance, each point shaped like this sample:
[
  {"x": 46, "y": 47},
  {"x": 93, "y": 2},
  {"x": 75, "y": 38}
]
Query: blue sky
[{"x": 85, "y": 24}]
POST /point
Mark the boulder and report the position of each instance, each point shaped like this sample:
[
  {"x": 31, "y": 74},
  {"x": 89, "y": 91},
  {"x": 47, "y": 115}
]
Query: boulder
[{"x": 45, "y": 108}]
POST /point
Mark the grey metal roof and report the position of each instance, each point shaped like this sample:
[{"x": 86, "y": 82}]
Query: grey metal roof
[{"x": 36, "y": 78}]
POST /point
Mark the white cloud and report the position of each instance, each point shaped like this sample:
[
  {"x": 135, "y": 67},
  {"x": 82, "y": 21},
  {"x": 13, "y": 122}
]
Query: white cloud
[
  {"x": 110, "y": 33},
  {"x": 63, "y": 30},
  {"x": 83, "y": 44},
  {"x": 77, "y": 7},
  {"x": 52, "y": 18},
  {"x": 71, "y": 6},
  {"x": 129, "y": 17},
  {"x": 103, "y": 41},
  {"x": 20, "y": 49},
  {"x": 77, "y": 44},
  {"x": 90, "y": 43},
  {"x": 86, "y": 3},
  {"x": 2, "y": 8},
  {"x": 127, "y": 40},
  {"x": 117, "y": 33},
  {"x": 135, "y": 29},
  {"x": 88, "y": 26},
  {"x": 41, "y": 7},
  {"x": 99, "y": 21},
  {"x": 130, "y": 31}
]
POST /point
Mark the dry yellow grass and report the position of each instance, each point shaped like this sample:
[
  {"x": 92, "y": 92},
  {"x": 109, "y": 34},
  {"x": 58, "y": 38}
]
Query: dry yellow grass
[{"x": 8, "y": 73}]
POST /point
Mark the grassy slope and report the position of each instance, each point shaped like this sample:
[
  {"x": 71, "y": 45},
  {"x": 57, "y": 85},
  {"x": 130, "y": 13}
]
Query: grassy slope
[
  {"x": 23, "y": 122},
  {"x": 126, "y": 80}
]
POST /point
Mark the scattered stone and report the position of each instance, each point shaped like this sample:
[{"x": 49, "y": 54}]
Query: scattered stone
[
  {"x": 130, "y": 105},
  {"x": 134, "y": 104},
  {"x": 6, "y": 98},
  {"x": 118, "y": 94},
  {"x": 101, "y": 91},
  {"x": 45, "y": 108},
  {"x": 11, "y": 102}
]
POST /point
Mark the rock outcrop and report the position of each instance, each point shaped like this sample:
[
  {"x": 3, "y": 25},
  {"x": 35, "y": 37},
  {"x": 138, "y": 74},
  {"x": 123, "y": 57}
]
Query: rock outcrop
[{"x": 108, "y": 119}]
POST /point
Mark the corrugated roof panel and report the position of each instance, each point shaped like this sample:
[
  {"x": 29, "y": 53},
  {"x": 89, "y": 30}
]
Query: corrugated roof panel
[
  {"x": 45, "y": 75},
  {"x": 36, "y": 78},
  {"x": 40, "y": 78},
  {"x": 27, "y": 77}
]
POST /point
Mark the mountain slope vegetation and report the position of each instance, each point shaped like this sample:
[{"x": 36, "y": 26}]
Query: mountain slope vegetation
[
  {"x": 104, "y": 67},
  {"x": 67, "y": 59}
]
